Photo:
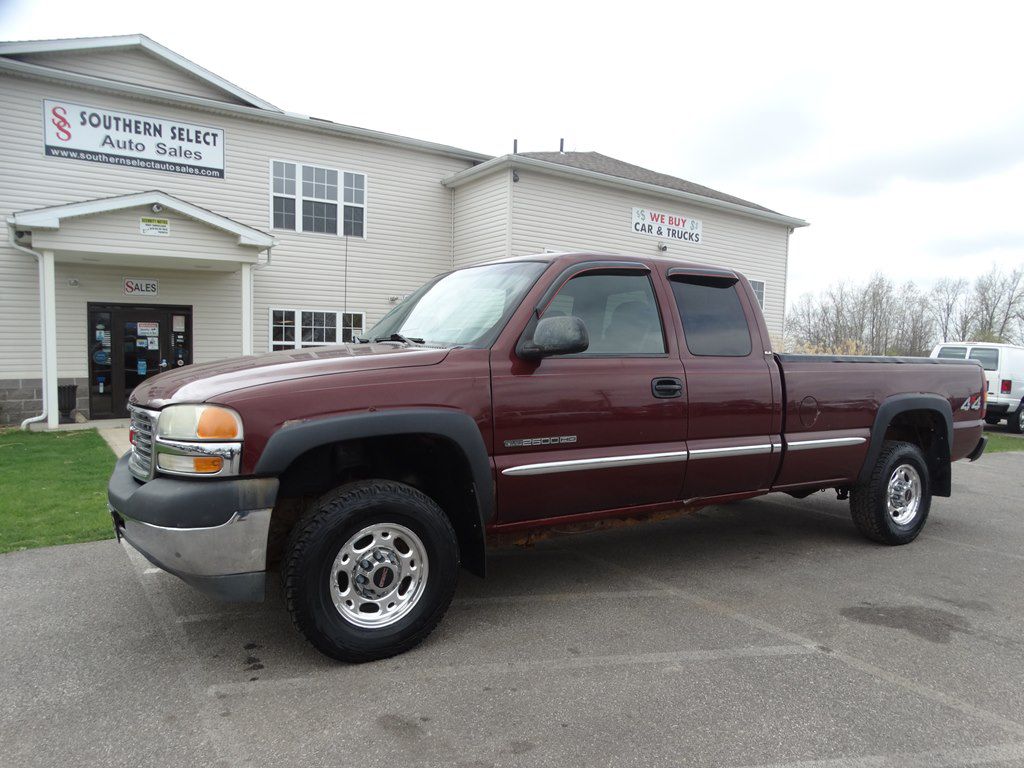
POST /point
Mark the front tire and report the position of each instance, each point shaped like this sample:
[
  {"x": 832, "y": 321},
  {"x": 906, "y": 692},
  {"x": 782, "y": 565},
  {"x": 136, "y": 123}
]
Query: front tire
[
  {"x": 892, "y": 506},
  {"x": 370, "y": 570}
]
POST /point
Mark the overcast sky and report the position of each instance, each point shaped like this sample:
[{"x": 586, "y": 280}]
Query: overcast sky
[{"x": 896, "y": 129}]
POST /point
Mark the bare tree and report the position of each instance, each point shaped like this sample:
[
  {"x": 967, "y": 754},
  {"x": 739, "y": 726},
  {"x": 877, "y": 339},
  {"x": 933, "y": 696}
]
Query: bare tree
[
  {"x": 881, "y": 318},
  {"x": 945, "y": 302}
]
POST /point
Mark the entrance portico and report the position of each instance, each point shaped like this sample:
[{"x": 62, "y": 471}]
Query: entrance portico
[{"x": 130, "y": 257}]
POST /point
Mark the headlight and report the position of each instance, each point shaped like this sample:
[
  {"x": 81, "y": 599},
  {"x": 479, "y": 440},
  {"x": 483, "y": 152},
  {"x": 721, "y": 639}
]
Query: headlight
[
  {"x": 199, "y": 422},
  {"x": 198, "y": 440}
]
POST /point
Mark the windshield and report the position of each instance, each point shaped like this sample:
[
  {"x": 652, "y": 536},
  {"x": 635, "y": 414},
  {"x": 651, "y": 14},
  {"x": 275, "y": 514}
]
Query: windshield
[{"x": 465, "y": 308}]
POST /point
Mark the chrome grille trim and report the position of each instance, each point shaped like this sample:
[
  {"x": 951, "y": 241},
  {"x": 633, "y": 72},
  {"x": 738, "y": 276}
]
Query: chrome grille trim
[{"x": 143, "y": 424}]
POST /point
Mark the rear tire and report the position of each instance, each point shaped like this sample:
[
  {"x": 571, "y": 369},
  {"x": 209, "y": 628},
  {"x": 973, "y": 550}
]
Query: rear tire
[
  {"x": 892, "y": 506},
  {"x": 1015, "y": 421},
  {"x": 370, "y": 570},
  {"x": 992, "y": 420}
]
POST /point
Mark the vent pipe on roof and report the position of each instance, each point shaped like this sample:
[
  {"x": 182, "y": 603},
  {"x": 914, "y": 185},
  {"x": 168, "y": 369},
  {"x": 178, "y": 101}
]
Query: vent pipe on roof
[
  {"x": 515, "y": 146},
  {"x": 561, "y": 146}
]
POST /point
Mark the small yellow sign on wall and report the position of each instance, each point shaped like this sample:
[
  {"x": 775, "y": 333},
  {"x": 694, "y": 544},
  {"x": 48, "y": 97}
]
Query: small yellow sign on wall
[{"x": 156, "y": 227}]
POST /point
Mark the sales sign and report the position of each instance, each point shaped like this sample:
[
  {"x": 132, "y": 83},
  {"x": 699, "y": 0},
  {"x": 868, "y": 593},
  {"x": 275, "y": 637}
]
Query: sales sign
[
  {"x": 667, "y": 226},
  {"x": 99, "y": 135},
  {"x": 154, "y": 227},
  {"x": 140, "y": 286}
]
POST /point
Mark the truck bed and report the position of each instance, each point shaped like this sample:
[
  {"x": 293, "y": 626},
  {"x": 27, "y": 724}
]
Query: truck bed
[{"x": 838, "y": 398}]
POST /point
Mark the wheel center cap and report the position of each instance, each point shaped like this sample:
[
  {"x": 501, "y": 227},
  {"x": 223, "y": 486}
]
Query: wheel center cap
[
  {"x": 376, "y": 573},
  {"x": 383, "y": 577}
]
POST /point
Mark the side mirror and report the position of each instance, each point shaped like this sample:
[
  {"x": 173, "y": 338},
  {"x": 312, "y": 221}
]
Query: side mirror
[{"x": 556, "y": 336}]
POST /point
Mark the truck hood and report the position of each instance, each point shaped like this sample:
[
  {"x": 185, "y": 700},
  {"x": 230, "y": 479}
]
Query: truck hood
[{"x": 199, "y": 383}]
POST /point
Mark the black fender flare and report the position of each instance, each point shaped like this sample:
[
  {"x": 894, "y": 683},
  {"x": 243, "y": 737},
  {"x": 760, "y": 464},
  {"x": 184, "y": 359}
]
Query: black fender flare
[
  {"x": 458, "y": 427},
  {"x": 890, "y": 408}
]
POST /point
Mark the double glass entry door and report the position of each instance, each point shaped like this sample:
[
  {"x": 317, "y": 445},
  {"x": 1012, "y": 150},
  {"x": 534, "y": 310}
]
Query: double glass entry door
[{"x": 129, "y": 344}]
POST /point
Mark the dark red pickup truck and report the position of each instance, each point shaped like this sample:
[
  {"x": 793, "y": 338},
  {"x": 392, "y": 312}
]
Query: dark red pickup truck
[{"x": 505, "y": 397}]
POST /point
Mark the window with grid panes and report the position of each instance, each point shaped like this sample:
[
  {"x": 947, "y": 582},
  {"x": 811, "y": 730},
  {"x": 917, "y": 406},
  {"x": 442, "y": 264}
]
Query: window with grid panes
[
  {"x": 299, "y": 328},
  {"x": 310, "y": 198}
]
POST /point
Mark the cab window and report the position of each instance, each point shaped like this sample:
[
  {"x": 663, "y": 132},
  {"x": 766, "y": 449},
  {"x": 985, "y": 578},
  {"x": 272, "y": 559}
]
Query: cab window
[
  {"x": 619, "y": 310},
  {"x": 714, "y": 323}
]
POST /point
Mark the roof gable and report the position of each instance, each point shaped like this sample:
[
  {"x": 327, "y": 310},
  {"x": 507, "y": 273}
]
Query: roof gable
[
  {"x": 50, "y": 218},
  {"x": 131, "y": 59},
  {"x": 600, "y": 169},
  {"x": 598, "y": 163}
]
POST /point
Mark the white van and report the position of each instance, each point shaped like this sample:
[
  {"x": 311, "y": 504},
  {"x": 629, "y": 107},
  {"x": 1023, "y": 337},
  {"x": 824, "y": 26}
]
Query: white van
[{"x": 1004, "y": 370}]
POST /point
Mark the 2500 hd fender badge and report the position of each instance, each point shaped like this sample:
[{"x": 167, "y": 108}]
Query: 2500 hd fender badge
[{"x": 530, "y": 441}]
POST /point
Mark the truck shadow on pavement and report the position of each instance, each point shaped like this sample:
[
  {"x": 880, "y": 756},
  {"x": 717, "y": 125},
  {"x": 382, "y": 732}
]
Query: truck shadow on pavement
[{"x": 604, "y": 575}]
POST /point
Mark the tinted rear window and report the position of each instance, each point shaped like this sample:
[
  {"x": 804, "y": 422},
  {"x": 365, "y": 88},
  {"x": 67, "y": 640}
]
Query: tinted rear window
[
  {"x": 952, "y": 353},
  {"x": 987, "y": 356},
  {"x": 713, "y": 319}
]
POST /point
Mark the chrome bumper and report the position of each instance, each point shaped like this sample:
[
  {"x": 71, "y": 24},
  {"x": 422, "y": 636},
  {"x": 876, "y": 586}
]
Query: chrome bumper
[
  {"x": 211, "y": 534},
  {"x": 224, "y": 561}
]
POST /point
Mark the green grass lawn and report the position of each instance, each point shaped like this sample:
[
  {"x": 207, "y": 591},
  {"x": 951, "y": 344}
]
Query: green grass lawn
[
  {"x": 1002, "y": 442},
  {"x": 53, "y": 488}
]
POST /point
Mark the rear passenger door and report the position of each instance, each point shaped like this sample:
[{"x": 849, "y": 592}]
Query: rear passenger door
[
  {"x": 733, "y": 422},
  {"x": 602, "y": 429}
]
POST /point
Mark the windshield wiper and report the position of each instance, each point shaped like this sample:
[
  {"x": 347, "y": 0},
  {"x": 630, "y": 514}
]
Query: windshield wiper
[{"x": 410, "y": 340}]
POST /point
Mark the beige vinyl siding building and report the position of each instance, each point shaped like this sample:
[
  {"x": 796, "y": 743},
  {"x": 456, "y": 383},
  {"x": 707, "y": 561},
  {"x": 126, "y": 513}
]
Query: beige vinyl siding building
[
  {"x": 270, "y": 230},
  {"x": 539, "y": 209}
]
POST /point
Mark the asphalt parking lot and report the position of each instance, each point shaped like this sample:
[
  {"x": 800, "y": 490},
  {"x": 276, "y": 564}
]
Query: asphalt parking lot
[{"x": 761, "y": 633}]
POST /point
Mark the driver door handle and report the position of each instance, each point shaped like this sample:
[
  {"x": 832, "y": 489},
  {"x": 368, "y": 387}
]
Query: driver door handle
[{"x": 667, "y": 387}]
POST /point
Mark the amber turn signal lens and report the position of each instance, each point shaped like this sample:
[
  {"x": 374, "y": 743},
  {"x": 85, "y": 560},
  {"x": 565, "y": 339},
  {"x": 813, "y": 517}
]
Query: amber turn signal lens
[
  {"x": 217, "y": 424},
  {"x": 208, "y": 465}
]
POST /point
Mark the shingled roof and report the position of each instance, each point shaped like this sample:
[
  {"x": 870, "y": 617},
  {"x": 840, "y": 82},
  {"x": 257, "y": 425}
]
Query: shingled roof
[{"x": 598, "y": 163}]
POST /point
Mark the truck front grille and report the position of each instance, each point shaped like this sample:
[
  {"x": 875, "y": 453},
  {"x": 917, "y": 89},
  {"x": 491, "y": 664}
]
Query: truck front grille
[{"x": 141, "y": 460}]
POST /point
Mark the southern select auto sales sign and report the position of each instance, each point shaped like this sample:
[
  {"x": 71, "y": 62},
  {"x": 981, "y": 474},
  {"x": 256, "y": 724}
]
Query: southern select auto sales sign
[
  {"x": 98, "y": 135},
  {"x": 668, "y": 226}
]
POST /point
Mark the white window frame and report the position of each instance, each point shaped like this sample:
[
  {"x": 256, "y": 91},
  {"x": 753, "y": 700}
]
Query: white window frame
[
  {"x": 297, "y": 314},
  {"x": 764, "y": 288},
  {"x": 299, "y": 198}
]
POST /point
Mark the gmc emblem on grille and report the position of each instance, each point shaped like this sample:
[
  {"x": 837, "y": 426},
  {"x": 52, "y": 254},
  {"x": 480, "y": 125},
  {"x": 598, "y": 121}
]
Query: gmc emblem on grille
[{"x": 530, "y": 441}]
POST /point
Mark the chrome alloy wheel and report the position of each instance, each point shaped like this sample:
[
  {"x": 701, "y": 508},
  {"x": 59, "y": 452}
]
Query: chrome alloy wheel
[
  {"x": 379, "y": 575},
  {"x": 903, "y": 496}
]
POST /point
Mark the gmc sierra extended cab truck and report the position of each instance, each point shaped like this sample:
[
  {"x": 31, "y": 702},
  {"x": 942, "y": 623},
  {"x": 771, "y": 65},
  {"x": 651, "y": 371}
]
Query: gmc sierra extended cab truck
[{"x": 505, "y": 397}]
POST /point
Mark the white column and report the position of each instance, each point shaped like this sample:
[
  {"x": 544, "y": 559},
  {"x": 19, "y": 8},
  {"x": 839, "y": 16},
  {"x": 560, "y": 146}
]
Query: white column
[
  {"x": 49, "y": 312},
  {"x": 247, "y": 309}
]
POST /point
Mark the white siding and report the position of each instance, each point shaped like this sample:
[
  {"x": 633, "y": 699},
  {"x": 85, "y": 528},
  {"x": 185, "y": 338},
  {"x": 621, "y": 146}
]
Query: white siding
[
  {"x": 563, "y": 214},
  {"x": 481, "y": 218},
  {"x": 216, "y": 301},
  {"x": 408, "y": 215},
  {"x": 130, "y": 66}
]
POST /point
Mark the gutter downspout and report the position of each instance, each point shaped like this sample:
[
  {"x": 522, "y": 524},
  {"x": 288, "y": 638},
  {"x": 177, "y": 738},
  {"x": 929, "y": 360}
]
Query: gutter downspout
[
  {"x": 252, "y": 288},
  {"x": 42, "y": 320}
]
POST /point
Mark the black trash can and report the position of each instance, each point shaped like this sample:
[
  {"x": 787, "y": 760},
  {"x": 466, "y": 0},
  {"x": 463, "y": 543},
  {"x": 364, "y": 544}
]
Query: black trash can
[{"x": 67, "y": 399}]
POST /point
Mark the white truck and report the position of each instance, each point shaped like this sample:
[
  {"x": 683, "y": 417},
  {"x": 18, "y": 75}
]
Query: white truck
[{"x": 1004, "y": 372}]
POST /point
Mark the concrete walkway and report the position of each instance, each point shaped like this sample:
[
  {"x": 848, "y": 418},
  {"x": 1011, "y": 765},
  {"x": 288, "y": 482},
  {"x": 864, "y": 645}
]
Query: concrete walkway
[{"x": 116, "y": 437}]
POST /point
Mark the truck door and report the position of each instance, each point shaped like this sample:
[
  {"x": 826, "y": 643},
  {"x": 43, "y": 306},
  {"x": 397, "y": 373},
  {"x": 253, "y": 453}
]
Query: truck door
[
  {"x": 731, "y": 398},
  {"x": 598, "y": 430}
]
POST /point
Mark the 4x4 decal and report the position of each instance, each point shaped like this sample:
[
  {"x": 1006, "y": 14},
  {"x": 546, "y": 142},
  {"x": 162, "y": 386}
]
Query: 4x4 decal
[{"x": 972, "y": 403}]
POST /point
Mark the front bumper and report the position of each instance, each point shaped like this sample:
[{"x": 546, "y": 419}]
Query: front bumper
[{"x": 212, "y": 534}]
